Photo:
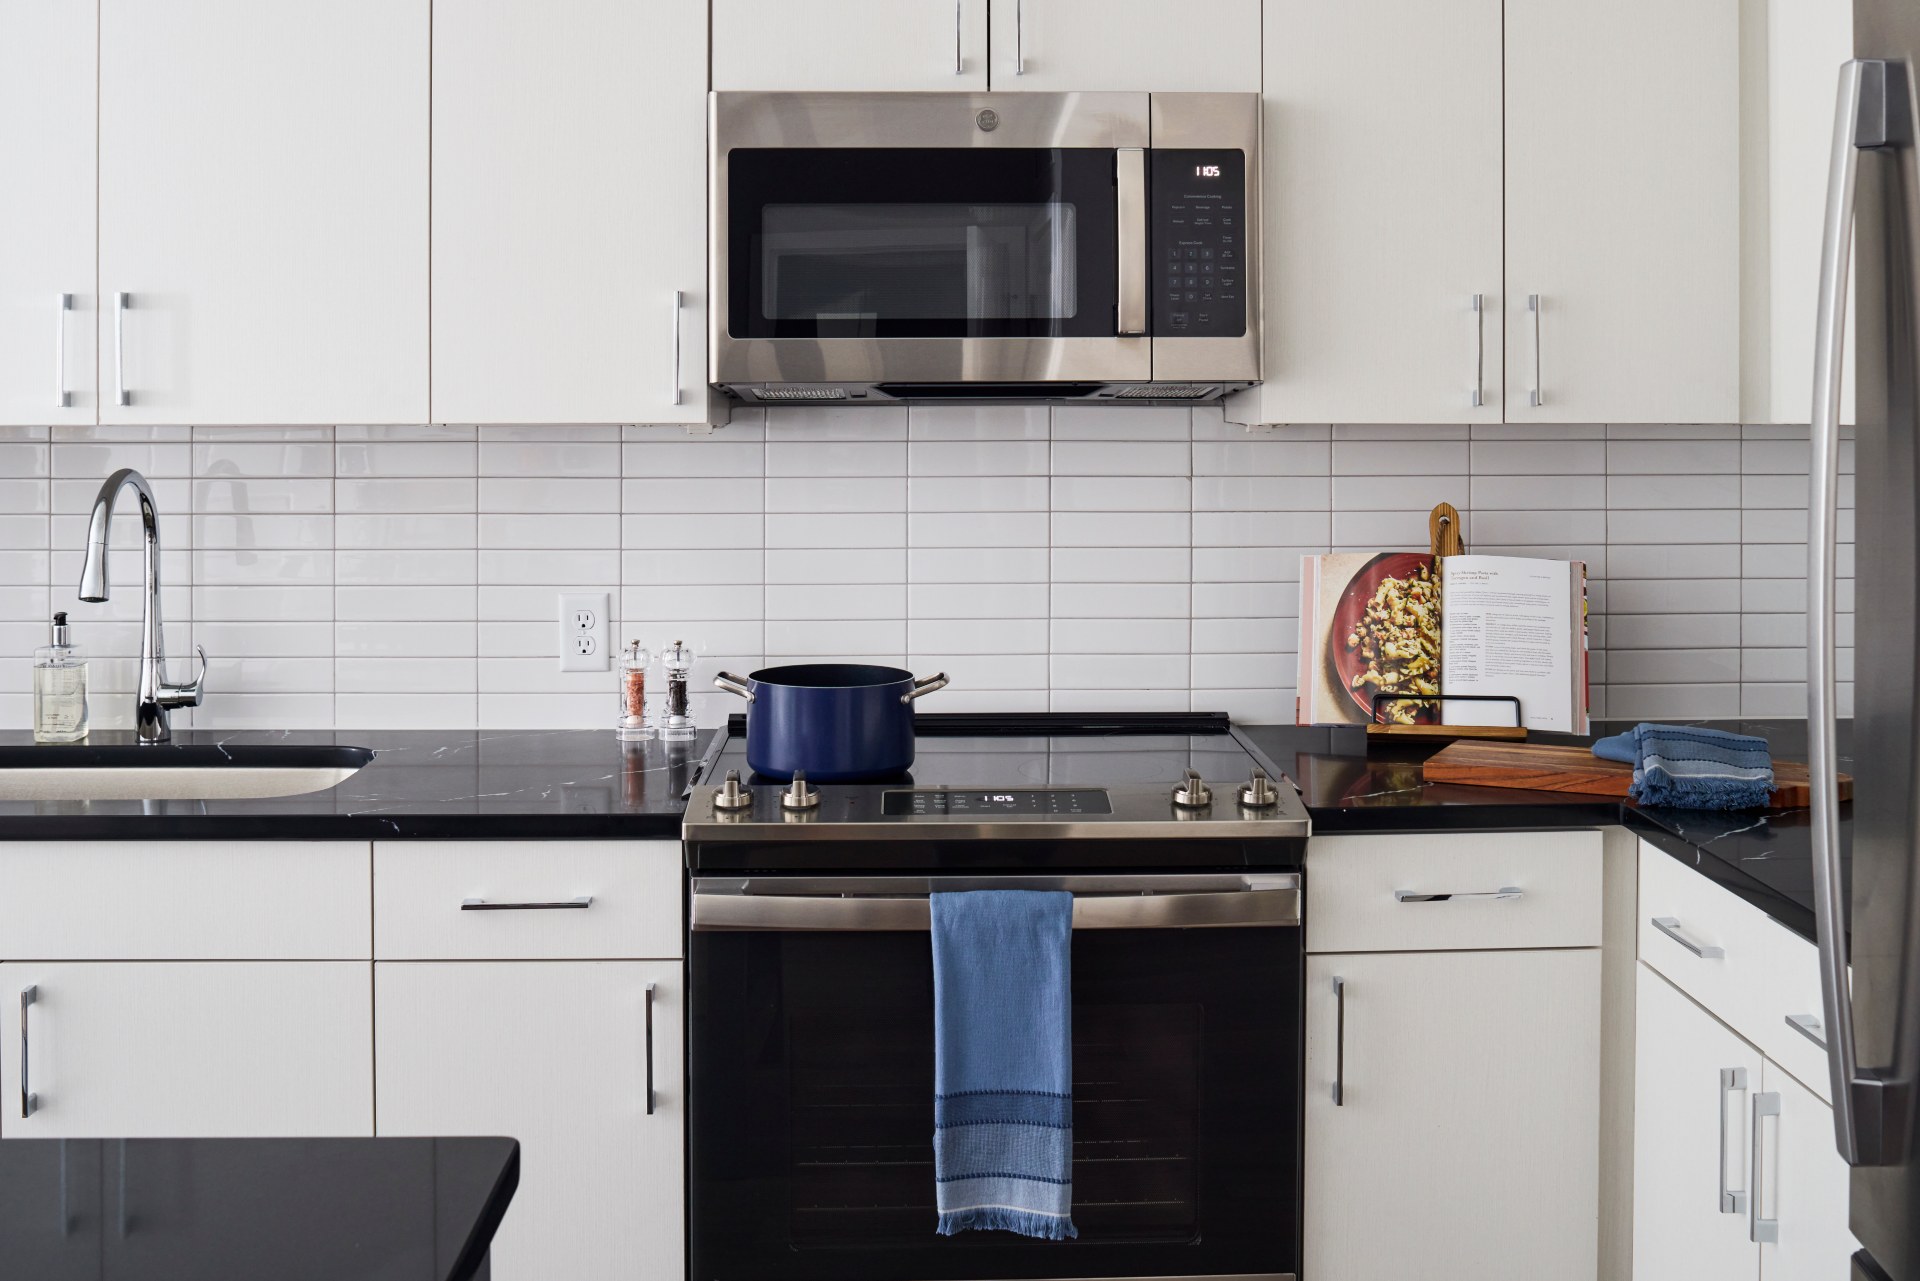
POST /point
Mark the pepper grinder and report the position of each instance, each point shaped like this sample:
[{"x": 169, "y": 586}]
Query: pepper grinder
[
  {"x": 677, "y": 724},
  {"x": 632, "y": 725}
]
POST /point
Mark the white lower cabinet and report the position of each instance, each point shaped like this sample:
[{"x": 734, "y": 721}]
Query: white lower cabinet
[
  {"x": 1735, "y": 1171},
  {"x": 559, "y": 1055},
  {"x": 212, "y": 1049},
  {"x": 1465, "y": 1142}
]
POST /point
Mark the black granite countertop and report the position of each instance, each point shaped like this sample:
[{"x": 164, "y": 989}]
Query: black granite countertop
[
  {"x": 1765, "y": 857},
  {"x": 389, "y": 1209},
  {"x": 582, "y": 784},
  {"x": 504, "y": 784}
]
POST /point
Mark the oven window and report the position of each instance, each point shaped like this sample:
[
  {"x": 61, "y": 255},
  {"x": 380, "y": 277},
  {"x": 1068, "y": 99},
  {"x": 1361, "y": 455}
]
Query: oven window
[
  {"x": 811, "y": 1125},
  {"x": 921, "y": 243},
  {"x": 846, "y": 267}
]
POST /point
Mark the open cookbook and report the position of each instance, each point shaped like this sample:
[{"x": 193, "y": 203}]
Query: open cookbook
[{"x": 1442, "y": 634}]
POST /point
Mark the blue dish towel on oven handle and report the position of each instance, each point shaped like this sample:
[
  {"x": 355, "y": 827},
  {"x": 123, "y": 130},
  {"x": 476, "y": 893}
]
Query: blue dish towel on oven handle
[{"x": 1003, "y": 1061}]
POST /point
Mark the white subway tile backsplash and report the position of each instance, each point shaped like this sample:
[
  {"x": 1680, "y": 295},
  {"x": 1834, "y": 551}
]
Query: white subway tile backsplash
[{"x": 1098, "y": 558}]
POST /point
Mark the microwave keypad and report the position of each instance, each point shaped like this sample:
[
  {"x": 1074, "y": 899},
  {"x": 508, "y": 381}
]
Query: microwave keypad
[{"x": 1199, "y": 244}]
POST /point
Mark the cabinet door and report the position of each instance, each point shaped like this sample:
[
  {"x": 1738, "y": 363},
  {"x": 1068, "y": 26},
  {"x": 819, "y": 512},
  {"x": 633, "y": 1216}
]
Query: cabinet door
[
  {"x": 557, "y": 1054},
  {"x": 1154, "y": 46},
  {"x": 1690, "y": 1139},
  {"x": 212, "y": 1049},
  {"x": 263, "y": 208},
  {"x": 1803, "y": 1186},
  {"x": 569, "y": 199},
  {"x": 48, "y": 59},
  {"x": 850, "y": 45},
  {"x": 1623, "y": 211},
  {"x": 1469, "y": 1115},
  {"x": 1382, "y": 213}
]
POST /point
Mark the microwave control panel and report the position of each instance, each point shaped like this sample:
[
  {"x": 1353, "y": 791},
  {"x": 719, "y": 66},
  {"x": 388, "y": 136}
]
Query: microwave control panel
[{"x": 1199, "y": 241}]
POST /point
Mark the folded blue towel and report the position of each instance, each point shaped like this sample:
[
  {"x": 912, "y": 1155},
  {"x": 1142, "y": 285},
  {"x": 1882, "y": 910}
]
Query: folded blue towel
[
  {"x": 1003, "y": 1061},
  {"x": 1692, "y": 767}
]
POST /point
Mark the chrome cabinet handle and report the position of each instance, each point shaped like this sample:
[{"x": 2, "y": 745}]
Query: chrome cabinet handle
[
  {"x": 1808, "y": 1026},
  {"x": 482, "y": 905},
  {"x": 1871, "y": 113},
  {"x": 29, "y": 1101},
  {"x": 1477, "y": 397},
  {"x": 1761, "y": 1230},
  {"x": 679, "y": 301},
  {"x": 1732, "y": 1200},
  {"x": 1019, "y": 37},
  {"x": 1504, "y": 894},
  {"x": 1535, "y": 397},
  {"x": 959, "y": 68},
  {"x": 61, "y": 397},
  {"x": 121, "y": 396},
  {"x": 649, "y": 1049},
  {"x": 1130, "y": 175},
  {"x": 1339, "y": 1042},
  {"x": 1670, "y": 926}
]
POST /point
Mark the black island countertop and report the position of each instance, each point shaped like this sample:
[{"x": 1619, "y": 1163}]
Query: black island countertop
[{"x": 582, "y": 784}]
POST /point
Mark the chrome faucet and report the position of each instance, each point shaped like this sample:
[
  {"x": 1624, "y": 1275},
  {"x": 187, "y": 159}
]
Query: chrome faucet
[{"x": 156, "y": 697}]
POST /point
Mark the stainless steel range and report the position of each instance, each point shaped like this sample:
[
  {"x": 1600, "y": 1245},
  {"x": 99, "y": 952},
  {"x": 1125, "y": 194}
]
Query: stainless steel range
[{"x": 811, "y": 1000}]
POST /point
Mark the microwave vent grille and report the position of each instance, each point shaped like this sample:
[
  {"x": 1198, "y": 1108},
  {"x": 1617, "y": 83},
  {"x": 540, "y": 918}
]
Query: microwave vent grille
[
  {"x": 800, "y": 393},
  {"x": 1167, "y": 391}
]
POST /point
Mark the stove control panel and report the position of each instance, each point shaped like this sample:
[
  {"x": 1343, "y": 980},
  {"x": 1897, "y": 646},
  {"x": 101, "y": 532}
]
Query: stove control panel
[{"x": 1062, "y": 801}]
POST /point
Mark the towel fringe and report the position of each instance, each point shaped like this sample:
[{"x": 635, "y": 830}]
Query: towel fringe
[{"x": 1002, "y": 1218}]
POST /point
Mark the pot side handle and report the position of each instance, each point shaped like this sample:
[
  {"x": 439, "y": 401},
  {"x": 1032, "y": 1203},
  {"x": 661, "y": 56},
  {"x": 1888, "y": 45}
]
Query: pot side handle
[
  {"x": 733, "y": 685},
  {"x": 936, "y": 681}
]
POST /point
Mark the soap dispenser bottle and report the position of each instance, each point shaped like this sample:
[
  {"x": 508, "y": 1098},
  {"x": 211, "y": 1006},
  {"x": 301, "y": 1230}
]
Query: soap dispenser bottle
[{"x": 59, "y": 688}]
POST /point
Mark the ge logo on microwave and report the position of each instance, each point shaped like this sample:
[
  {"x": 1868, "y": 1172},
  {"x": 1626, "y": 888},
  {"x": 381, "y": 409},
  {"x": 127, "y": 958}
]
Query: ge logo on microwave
[{"x": 988, "y": 120}]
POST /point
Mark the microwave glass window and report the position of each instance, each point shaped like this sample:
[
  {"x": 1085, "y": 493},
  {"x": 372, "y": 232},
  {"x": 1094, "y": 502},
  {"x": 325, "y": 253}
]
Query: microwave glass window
[
  {"x": 952, "y": 242},
  {"x": 848, "y": 266}
]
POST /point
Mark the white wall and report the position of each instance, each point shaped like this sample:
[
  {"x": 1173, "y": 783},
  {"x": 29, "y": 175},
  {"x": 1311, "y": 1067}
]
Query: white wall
[{"x": 1100, "y": 558}]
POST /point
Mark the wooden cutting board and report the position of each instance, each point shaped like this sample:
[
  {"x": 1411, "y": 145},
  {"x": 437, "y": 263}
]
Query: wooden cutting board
[{"x": 1576, "y": 769}]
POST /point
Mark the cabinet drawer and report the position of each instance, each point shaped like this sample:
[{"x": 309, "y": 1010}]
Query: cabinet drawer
[
  {"x": 461, "y": 900},
  {"x": 1763, "y": 973},
  {"x": 184, "y": 900},
  {"x": 1424, "y": 892}
]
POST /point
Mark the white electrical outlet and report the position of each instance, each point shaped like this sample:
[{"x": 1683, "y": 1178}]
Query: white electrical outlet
[{"x": 583, "y": 632}]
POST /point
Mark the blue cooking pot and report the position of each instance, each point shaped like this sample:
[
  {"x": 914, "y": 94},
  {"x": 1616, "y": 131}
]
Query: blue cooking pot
[{"x": 839, "y": 722}]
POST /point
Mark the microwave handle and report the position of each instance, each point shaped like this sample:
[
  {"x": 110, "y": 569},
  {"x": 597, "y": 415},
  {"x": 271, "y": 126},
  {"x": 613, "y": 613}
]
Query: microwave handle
[{"x": 1130, "y": 172}]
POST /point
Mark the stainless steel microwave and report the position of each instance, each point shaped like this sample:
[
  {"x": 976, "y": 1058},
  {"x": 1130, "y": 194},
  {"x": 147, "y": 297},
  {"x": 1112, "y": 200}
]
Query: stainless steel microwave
[{"x": 880, "y": 247}]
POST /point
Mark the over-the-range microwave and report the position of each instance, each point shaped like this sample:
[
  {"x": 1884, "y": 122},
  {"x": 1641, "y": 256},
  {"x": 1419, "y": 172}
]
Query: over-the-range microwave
[{"x": 883, "y": 247}]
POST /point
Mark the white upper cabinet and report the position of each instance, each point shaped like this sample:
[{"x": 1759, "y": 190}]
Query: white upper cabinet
[
  {"x": 1080, "y": 46},
  {"x": 1790, "y": 70},
  {"x": 1382, "y": 213},
  {"x": 1623, "y": 211},
  {"x": 263, "y": 211},
  {"x": 47, "y": 292},
  {"x": 569, "y": 211},
  {"x": 848, "y": 44}
]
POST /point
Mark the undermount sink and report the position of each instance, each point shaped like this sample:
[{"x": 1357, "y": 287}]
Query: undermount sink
[{"x": 174, "y": 772}]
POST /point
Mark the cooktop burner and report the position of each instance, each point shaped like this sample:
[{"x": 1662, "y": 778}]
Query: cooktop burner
[{"x": 1039, "y": 777}]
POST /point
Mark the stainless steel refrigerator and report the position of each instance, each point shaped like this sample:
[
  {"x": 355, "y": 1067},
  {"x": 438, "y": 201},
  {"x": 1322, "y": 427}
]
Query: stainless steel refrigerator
[{"x": 1872, "y": 1020}]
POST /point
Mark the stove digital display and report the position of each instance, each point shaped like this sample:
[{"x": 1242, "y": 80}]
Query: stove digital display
[{"x": 1054, "y": 800}]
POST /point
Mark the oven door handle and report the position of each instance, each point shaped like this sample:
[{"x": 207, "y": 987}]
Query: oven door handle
[{"x": 1120, "y": 904}]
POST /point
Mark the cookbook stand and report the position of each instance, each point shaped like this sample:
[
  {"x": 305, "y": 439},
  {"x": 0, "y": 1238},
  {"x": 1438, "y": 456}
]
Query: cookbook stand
[{"x": 1443, "y": 528}]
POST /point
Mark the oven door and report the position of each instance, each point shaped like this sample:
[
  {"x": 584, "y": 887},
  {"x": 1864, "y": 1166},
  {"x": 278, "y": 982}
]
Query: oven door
[
  {"x": 927, "y": 238},
  {"x": 811, "y": 1046}
]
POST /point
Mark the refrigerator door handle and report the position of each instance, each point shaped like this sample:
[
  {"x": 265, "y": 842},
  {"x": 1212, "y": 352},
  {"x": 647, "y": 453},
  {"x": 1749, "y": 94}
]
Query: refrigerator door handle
[{"x": 1869, "y": 114}]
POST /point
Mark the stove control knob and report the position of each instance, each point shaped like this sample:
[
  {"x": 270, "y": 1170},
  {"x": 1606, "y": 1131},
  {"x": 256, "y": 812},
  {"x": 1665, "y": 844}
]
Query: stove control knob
[
  {"x": 730, "y": 796},
  {"x": 1259, "y": 793},
  {"x": 1190, "y": 793},
  {"x": 798, "y": 795}
]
